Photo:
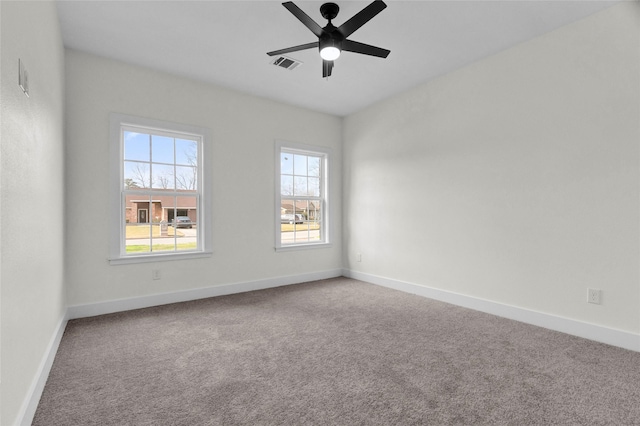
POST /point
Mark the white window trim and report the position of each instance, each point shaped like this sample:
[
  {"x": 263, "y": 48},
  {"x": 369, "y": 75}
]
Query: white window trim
[
  {"x": 327, "y": 228},
  {"x": 116, "y": 230}
]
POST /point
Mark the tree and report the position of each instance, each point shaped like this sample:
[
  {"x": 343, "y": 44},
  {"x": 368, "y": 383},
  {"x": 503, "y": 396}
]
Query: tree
[
  {"x": 141, "y": 176},
  {"x": 130, "y": 183},
  {"x": 163, "y": 180},
  {"x": 187, "y": 177}
]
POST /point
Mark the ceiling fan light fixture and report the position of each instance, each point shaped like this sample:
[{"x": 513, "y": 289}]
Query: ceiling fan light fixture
[
  {"x": 330, "y": 53},
  {"x": 330, "y": 47}
]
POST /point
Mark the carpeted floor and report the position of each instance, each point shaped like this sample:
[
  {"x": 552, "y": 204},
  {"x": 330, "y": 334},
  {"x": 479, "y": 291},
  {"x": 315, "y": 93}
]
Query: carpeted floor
[{"x": 332, "y": 352}]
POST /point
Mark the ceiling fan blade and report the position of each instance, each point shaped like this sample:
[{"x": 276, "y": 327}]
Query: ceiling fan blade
[
  {"x": 293, "y": 49},
  {"x": 327, "y": 66},
  {"x": 304, "y": 18},
  {"x": 361, "y": 18},
  {"x": 365, "y": 49}
]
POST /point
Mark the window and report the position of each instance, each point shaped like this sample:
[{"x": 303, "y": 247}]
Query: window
[
  {"x": 301, "y": 196},
  {"x": 160, "y": 174}
]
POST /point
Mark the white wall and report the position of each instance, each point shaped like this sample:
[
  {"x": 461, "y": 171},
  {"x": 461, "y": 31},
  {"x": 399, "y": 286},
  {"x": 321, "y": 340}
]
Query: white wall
[
  {"x": 32, "y": 197},
  {"x": 244, "y": 132},
  {"x": 515, "y": 179}
]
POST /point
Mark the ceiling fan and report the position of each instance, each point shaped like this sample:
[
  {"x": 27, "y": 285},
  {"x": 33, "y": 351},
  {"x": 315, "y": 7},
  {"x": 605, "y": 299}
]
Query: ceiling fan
[{"x": 332, "y": 40}]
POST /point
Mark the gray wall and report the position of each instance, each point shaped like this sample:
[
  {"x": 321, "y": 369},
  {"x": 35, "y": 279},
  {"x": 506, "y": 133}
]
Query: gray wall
[
  {"x": 514, "y": 179},
  {"x": 32, "y": 202},
  {"x": 244, "y": 130}
]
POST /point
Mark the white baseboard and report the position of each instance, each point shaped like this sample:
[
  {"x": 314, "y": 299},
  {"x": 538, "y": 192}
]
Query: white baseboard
[
  {"x": 120, "y": 305},
  {"x": 30, "y": 404},
  {"x": 622, "y": 339}
]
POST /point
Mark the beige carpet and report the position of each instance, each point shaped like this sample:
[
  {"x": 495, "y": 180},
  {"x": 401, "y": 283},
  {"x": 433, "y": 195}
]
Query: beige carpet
[{"x": 333, "y": 352}]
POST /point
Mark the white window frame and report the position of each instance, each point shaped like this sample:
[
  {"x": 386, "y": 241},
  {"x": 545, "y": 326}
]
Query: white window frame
[
  {"x": 326, "y": 233},
  {"x": 120, "y": 122}
]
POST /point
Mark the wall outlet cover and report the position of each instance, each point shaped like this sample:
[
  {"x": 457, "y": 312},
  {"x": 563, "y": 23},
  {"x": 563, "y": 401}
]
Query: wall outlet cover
[{"x": 593, "y": 296}]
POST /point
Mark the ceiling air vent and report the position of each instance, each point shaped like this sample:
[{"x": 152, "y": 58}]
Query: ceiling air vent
[{"x": 287, "y": 63}]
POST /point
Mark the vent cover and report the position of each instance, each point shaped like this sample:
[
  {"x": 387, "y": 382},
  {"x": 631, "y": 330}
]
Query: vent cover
[{"x": 285, "y": 62}]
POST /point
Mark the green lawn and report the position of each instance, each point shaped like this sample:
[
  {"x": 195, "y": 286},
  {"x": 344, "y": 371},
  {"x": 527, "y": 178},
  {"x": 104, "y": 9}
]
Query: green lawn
[
  {"x": 144, "y": 248},
  {"x": 286, "y": 227},
  {"x": 142, "y": 231}
]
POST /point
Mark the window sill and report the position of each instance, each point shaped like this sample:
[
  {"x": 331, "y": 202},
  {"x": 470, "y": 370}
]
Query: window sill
[
  {"x": 293, "y": 247},
  {"x": 147, "y": 258}
]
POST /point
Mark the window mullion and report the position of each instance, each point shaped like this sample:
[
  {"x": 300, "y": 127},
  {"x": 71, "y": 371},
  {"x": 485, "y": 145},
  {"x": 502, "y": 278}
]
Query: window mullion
[
  {"x": 123, "y": 225},
  {"x": 150, "y": 222},
  {"x": 175, "y": 221},
  {"x": 150, "y": 161}
]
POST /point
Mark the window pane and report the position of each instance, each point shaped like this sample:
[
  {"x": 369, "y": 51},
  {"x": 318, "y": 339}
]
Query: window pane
[
  {"x": 186, "y": 206},
  {"x": 300, "y": 165},
  {"x": 137, "y": 175},
  {"x": 286, "y": 185},
  {"x": 153, "y": 226},
  {"x": 137, "y": 238},
  {"x": 164, "y": 235},
  {"x": 163, "y": 177},
  {"x": 186, "y": 178},
  {"x": 185, "y": 223},
  {"x": 314, "y": 220},
  {"x": 137, "y": 227},
  {"x": 300, "y": 221},
  {"x": 313, "y": 187},
  {"x": 167, "y": 243},
  {"x": 314, "y": 208},
  {"x": 314, "y": 166},
  {"x": 286, "y": 163},
  {"x": 162, "y": 149},
  {"x": 287, "y": 235},
  {"x": 287, "y": 221},
  {"x": 136, "y": 146},
  {"x": 300, "y": 185},
  {"x": 186, "y": 239},
  {"x": 286, "y": 207},
  {"x": 186, "y": 152}
]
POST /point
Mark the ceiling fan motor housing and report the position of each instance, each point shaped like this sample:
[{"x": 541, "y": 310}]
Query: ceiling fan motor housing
[
  {"x": 329, "y": 10},
  {"x": 330, "y": 37}
]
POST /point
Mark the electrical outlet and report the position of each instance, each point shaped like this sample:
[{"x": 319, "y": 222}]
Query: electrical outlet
[
  {"x": 593, "y": 295},
  {"x": 155, "y": 274},
  {"x": 359, "y": 257}
]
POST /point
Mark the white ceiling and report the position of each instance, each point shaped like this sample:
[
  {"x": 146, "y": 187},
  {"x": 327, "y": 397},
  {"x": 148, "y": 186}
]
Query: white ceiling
[{"x": 225, "y": 42}]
